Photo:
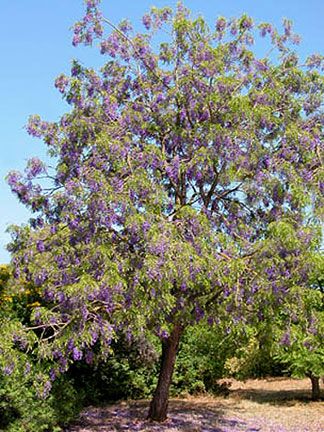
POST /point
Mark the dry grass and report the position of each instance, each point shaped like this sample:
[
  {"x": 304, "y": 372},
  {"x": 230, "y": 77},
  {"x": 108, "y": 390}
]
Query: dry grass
[{"x": 274, "y": 405}]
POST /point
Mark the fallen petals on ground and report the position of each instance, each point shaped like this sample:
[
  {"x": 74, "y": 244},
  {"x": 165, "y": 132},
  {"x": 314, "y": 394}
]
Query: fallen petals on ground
[{"x": 275, "y": 405}]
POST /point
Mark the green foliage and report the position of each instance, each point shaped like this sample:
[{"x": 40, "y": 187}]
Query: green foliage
[
  {"x": 26, "y": 405},
  {"x": 128, "y": 373},
  {"x": 4, "y": 275},
  {"x": 302, "y": 346},
  {"x": 4, "y": 278},
  {"x": 202, "y": 358},
  {"x": 22, "y": 410},
  {"x": 255, "y": 358}
]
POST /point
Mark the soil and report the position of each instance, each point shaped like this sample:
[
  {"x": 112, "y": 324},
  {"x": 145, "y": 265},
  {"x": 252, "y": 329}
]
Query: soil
[{"x": 270, "y": 405}]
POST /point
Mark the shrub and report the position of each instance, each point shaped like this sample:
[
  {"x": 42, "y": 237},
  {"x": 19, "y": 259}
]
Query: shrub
[{"x": 129, "y": 372}]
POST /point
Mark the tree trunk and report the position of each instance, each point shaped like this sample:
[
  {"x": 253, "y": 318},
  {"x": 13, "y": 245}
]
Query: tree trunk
[
  {"x": 316, "y": 392},
  {"x": 159, "y": 404}
]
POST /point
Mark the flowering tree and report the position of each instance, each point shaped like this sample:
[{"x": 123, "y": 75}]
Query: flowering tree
[{"x": 184, "y": 174}]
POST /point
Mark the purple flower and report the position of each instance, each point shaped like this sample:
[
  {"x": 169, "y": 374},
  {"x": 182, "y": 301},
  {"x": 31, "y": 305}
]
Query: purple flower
[
  {"x": 60, "y": 297},
  {"x": 165, "y": 14},
  {"x": 94, "y": 336},
  {"x": 8, "y": 369},
  {"x": 48, "y": 295},
  {"x": 88, "y": 39},
  {"x": 76, "y": 354},
  {"x": 34, "y": 167},
  {"x": 40, "y": 246},
  {"x": 159, "y": 98},
  {"x": 39, "y": 222},
  {"x": 167, "y": 80},
  {"x": 75, "y": 70},
  {"x": 210, "y": 320},
  {"x": 46, "y": 389},
  {"x": 246, "y": 23},
  {"x": 287, "y": 27},
  {"x": 125, "y": 26},
  {"x": 285, "y": 340},
  {"x": 146, "y": 226},
  {"x": 40, "y": 277},
  {"x": 84, "y": 312},
  {"x": 198, "y": 176},
  {"x": 170, "y": 206},
  {"x": 111, "y": 45},
  {"x": 220, "y": 24},
  {"x": 265, "y": 28},
  {"x": 34, "y": 126},
  {"x": 13, "y": 178},
  {"x": 73, "y": 224},
  {"x": 308, "y": 345},
  {"x": 172, "y": 169},
  {"x": 226, "y": 292},
  {"x": 315, "y": 61},
  {"x": 76, "y": 40},
  {"x": 61, "y": 83},
  {"x": 52, "y": 374},
  {"x": 63, "y": 363},
  {"x": 313, "y": 330},
  {"x": 57, "y": 354},
  {"x": 199, "y": 313},
  {"x": 234, "y": 28},
  {"x": 147, "y": 21},
  {"x": 164, "y": 334},
  {"x": 53, "y": 229},
  {"x": 266, "y": 161},
  {"x": 89, "y": 357},
  {"x": 183, "y": 287},
  {"x": 92, "y": 3},
  {"x": 204, "y": 116},
  {"x": 260, "y": 65},
  {"x": 27, "y": 369}
]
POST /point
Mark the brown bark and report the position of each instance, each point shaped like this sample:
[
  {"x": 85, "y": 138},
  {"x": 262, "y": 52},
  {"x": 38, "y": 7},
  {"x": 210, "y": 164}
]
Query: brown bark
[
  {"x": 159, "y": 404},
  {"x": 316, "y": 392}
]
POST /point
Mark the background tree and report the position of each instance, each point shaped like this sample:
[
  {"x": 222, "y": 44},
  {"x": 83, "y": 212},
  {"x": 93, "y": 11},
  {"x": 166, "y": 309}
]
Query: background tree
[
  {"x": 301, "y": 343},
  {"x": 185, "y": 172}
]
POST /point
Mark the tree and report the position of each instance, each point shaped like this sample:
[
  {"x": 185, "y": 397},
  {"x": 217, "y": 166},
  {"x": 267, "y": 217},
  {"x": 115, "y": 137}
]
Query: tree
[
  {"x": 301, "y": 344},
  {"x": 186, "y": 172}
]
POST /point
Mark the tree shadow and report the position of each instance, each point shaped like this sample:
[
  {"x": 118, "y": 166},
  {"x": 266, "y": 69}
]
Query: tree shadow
[
  {"x": 274, "y": 397},
  {"x": 183, "y": 416}
]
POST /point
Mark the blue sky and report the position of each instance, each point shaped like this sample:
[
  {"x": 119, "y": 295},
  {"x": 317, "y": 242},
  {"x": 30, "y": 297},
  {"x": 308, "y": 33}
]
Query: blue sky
[{"x": 35, "y": 44}]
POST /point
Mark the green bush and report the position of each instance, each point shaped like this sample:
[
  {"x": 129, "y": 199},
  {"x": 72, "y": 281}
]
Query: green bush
[
  {"x": 202, "y": 359},
  {"x": 256, "y": 357},
  {"x": 131, "y": 370},
  {"x": 128, "y": 373},
  {"x": 23, "y": 410},
  {"x": 29, "y": 400}
]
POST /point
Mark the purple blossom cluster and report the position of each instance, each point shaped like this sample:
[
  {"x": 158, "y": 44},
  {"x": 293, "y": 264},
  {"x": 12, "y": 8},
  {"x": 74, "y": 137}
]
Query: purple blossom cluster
[
  {"x": 34, "y": 167},
  {"x": 90, "y": 27},
  {"x": 147, "y": 21},
  {"x": 62, "y": 82},
  {"x": 221, "y": 24}
]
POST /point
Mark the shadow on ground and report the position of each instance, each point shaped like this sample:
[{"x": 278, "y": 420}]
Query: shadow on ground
[
  {"x": 182, "y": 417},
  {"x": 273, "y": 397}
]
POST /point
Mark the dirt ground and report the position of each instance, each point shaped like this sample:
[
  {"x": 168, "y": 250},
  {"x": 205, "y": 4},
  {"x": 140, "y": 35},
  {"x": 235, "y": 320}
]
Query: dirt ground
[{"x": 272, "y": 405}]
